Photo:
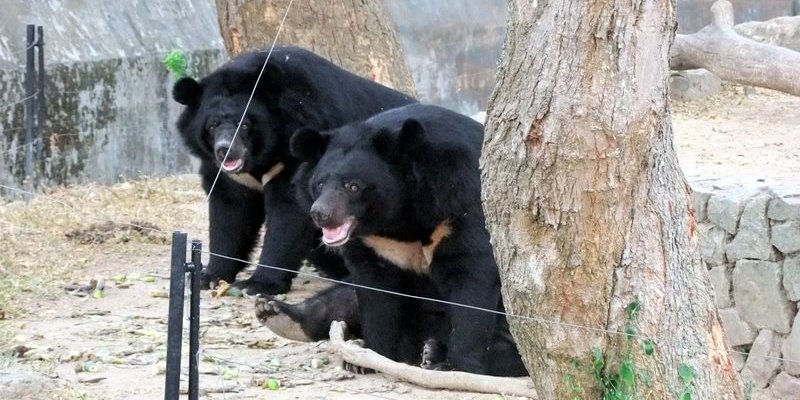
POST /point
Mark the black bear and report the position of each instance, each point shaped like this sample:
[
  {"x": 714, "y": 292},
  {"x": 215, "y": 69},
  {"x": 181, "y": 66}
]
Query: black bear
[
  {"x": 297, "y": 89},
  {"x": 398, "y": 195}
]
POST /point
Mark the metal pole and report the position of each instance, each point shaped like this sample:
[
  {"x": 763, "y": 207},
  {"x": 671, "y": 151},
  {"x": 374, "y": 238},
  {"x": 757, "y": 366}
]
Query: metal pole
[
  {"x": 177, "y": 283},
  {"x": 194, "y": 321},
  {"x": 29, "y": 107},
  {"x": 40, "y": 101}
]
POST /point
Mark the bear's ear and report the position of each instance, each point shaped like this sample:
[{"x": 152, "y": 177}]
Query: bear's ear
[
  {"x": 187, "y": 91},
  {"x": 411, "y": 137},
  {"x": 308, "y": 144}
]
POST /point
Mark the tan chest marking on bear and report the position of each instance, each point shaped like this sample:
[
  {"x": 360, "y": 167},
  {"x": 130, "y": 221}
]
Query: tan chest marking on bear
[
  {"x": 410, "y": 256},
  {"x": 251, "y": 182}
]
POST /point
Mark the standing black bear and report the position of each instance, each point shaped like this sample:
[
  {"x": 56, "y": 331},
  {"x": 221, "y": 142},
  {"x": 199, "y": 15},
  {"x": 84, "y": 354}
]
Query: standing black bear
[
  {"x": 297, "y": 89},
  {"x": 399, "y": 196}
]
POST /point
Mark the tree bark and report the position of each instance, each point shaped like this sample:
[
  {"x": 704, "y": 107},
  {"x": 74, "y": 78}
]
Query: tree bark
[
  {"x": 354, "y": 34},
  {"x": 719, "y": 49},
  {"x": 588, "y": 209}
]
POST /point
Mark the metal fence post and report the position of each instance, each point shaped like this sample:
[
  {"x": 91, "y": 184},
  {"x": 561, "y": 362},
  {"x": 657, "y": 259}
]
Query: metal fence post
[
  {"x": 177, "y": 284},
  {"x": 194, "y": 321},
  {"x": 29, "y": 106},
  {"x": 40, "y": 100}
]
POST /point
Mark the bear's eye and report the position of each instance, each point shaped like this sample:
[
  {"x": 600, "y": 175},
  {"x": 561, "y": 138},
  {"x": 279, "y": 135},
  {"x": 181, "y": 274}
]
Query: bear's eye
[
  {"x": 351, "y": 187},
  {"x": 244, "y": 127},
  {"x": 212, "y": 126}
]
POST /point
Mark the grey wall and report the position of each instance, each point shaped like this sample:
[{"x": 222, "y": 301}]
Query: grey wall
[{"x": 109, "y": 111}]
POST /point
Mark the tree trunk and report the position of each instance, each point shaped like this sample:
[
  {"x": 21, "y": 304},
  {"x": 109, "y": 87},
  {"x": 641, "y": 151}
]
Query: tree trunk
[
  {"x": 354, "y": 34},
  {"x": 719, "y": 49},
  {"x": 589, "y": 211}
]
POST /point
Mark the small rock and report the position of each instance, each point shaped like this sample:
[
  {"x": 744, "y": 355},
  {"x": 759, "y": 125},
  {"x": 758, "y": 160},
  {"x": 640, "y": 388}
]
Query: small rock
[
  {"x": 738, "y": 360},
  {"x": 764, "y": 359},
  {"x": 758, "y": 295},
  {"x": 712, "y": 242},
  {"x": 791, "y": 277},
  {"x": 752, "y": 237},
  {"x": 785, "y": 386},
  {"x": 90, "y": 379},
  {"x": 24, "y": 385},
  {"x": 725, "y": 207},
  {"x": 786, "y": 236},
  {"x": 738, "y": 331},
  {"x": 721, "y": 282},
  {"x": 693, "y": 84},
  {"x": 781, "y": 209},
  {"x": 700, "y": 202},
  {"x": 791, "y": 349}
]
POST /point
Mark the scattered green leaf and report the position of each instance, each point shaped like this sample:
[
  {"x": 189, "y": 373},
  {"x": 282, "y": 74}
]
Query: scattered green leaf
[{"x": 175, "y": 63}]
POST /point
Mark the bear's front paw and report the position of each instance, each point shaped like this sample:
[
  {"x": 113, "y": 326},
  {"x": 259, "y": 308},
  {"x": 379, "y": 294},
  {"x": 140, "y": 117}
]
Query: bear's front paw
[
  {"x": 253, "y": 288},
  {"x": 266, "y": 309},
  {"x": 209, "y": 281}
]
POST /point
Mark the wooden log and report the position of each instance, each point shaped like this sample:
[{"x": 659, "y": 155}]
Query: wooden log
[
  {"x": 719, "y": 49},
  {"x": 449, "y": 380}
]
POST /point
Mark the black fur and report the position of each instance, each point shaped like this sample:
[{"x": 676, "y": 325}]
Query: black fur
[
  {"x": 400, "y": 175},
  {"x": 297, "y": 89}
]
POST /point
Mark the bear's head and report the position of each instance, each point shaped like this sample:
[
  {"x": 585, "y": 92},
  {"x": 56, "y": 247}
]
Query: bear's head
[
  {"x": 214, "y": 125},
  {"x": 355, "y": 180}
]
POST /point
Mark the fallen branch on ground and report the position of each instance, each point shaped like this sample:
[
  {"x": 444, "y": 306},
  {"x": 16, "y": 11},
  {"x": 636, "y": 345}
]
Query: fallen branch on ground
[{"x": 449, "y": 380}]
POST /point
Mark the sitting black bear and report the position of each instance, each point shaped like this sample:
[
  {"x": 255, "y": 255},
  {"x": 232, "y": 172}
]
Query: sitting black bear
[
  {"x": 297, "y": 89},
  {"x": 399, "y": 197}
]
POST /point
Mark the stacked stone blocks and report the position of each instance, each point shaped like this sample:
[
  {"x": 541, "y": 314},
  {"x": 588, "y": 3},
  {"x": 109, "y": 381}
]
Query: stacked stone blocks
[{"x": 749, "y": 239}]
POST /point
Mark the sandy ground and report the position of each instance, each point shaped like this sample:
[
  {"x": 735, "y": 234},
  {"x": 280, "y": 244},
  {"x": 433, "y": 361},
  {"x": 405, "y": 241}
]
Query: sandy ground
[{"x": 111, "y": 346}]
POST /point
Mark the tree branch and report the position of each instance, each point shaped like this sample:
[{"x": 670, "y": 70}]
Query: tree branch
[
  {"x": 719, "y": 49},
  {"x": 449, "y": 380}
]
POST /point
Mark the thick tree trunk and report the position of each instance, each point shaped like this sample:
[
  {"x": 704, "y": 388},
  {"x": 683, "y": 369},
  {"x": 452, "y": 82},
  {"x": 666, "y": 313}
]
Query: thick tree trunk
[
  {"x": 354, "y": 34},
  {"x": 719, "y": 49},
  {"x": 588, "y": 209}
]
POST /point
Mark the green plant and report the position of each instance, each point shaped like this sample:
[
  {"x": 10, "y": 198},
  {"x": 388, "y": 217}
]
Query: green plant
[
  {"x": 175, "y": 63},
  {"x": 622, "y": 384},
  {"x": 686, "y": 373}
]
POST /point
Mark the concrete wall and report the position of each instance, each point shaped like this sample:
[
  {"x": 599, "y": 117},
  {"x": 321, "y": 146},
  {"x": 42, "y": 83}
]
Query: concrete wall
[
  {"x": 749, "y": 239},
  {"x": 109, "y": 111}
]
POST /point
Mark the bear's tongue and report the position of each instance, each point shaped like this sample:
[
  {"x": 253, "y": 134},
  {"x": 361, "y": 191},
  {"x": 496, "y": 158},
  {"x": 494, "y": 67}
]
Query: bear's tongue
[
  {"x": 232, "y": 165},
  {"x": 338, "y": 235}
]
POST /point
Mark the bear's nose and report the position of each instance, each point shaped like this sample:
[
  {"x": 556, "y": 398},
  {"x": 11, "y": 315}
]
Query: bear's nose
[
  {"x": 320, "y": 215},
  {"x": 222, "y": 151}
]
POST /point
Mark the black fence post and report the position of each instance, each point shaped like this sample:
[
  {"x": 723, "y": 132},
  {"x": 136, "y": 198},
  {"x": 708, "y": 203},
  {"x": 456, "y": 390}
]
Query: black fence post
[
  {"x": 177, "y": 284},
  {"x": 194, "y": 321},
  {"x": 40, "y": 100},
  {"x": 30, "y": 66}
]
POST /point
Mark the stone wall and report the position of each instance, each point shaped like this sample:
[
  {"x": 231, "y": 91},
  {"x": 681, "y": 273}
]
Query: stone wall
[
  {"x": 110, "y": 115},
  {"x": 749, "y": 239}
]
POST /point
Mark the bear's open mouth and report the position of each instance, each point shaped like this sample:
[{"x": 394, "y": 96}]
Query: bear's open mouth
[
  {"x": 339, "y": 235},
  {"x": 233, "y": 165}
]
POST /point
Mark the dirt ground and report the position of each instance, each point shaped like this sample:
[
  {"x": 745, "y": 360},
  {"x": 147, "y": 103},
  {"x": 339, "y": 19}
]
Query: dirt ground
[{"x": 77, "y": 342}]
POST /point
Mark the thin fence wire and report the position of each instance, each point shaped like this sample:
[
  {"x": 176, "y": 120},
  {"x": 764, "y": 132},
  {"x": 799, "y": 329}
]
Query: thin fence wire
[
  {"x": 250, "y": 99},
  {"x": 534, "y": 318},
  {"x": 16, "y": 102}
]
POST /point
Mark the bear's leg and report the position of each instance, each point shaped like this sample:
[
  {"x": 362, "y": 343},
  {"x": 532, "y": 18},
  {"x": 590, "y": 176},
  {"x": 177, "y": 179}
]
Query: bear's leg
[
  {"x": 471, "y": 280},
  {"x": 235, "y": 217},
  {"x": 380, "y": 313},
  {"x": 504, "y": 357},
  {"x": 289, "y": 237},
  {"x": 310, "y": 320}
]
